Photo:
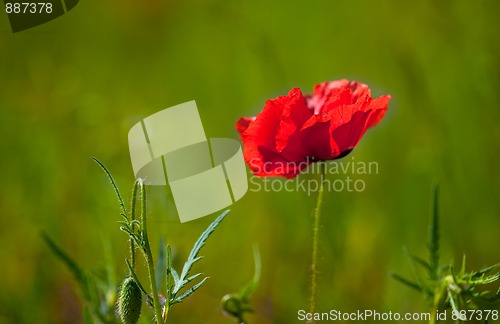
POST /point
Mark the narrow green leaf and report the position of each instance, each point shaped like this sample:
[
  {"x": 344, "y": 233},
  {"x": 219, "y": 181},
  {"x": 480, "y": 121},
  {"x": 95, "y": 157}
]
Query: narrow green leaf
[
  {"x": 193, "y": 277},
  {"x": 433, "y": 245},
  {"x": 110, "y": 264},
  {"x": 169, "y": 272},
  {"x": 453, "y": 304},
  {"x": 407, "y": 282},
  {"x": 421, "y": 262},
  {"x": 161, "y": 265},
  {"x": 94, "y": 299},
  {"x": 65, "y": 258},
  {"x": 412, "y": 267},
  {"x": 189, "y": 291},
  {"x": 123, "y": 210},
  {"x": 453, "y": 274},
  {"x": 462, "y": 269},
  {"x": 72, "y": 266}
]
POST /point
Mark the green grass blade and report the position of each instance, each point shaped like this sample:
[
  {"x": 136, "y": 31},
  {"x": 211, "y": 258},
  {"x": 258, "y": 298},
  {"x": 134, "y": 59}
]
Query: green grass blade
[
  {"x": 75, "y": 269},
  {"x": 433, "y": 245},
  {"x": 110, "y": 265},
  {"x": 87, "y": 286}
]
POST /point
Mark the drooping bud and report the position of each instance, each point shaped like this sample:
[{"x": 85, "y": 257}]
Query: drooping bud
[
  {"x": 231, "y": 305},
  {"x": 130, "y": 301}
]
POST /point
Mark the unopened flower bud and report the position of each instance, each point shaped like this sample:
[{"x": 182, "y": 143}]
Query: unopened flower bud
[{"x": 130, "y": 301}]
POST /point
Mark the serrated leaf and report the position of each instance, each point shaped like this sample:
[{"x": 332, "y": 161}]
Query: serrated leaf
[
  {"x": 485, "y": 280},
  {"x": 189, "y": 291},
  {"x": 488, "y": 269},
  {"x": 200, "y": 243},
  {"x": 193, "y": 255}
]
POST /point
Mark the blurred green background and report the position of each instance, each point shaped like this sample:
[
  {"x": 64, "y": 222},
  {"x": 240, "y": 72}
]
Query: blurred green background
[{"x": 72, "y": 88}]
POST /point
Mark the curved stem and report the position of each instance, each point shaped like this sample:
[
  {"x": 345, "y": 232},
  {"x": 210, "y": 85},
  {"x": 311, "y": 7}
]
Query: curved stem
[
  {"x": 317, "y": 214},
  {"x": 149, "y": 256}
]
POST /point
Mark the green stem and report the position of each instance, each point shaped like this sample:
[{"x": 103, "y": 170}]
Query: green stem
[
  {"x": 132, "y": 217},
  {"x": 149, "y": 256},
  {"x": 165, "y": 311},
  {"x": 317, "y": 214},
  {"x": 439, "y": 292},
  {"x": 433, "y": 316},
  {"x": 169, "y": 283}
]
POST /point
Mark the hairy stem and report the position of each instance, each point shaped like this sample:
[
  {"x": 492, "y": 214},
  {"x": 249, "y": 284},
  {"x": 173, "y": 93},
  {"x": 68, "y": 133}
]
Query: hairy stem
[
  {"x": 314, "y": 268},
  {"x": 148, "y": 256},
  {"x": 132, "y": 217}
]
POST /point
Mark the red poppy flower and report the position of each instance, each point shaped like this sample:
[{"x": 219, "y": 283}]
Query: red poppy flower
[{"x": 296, "y": 130}]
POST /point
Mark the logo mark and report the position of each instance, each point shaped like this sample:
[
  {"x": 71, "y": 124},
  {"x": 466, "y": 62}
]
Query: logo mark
[{"x": 205, "y": 175}]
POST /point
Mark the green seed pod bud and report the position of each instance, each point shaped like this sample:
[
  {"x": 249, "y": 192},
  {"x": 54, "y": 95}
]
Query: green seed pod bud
[
  {"x": 130, "y": 301},
  {"x": 231, "y": 304}
]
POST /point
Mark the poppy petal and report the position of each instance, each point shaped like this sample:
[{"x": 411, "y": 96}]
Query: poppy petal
[
  {"x": 295, "y": 130},
  {"x": 243, "y": 123}
]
